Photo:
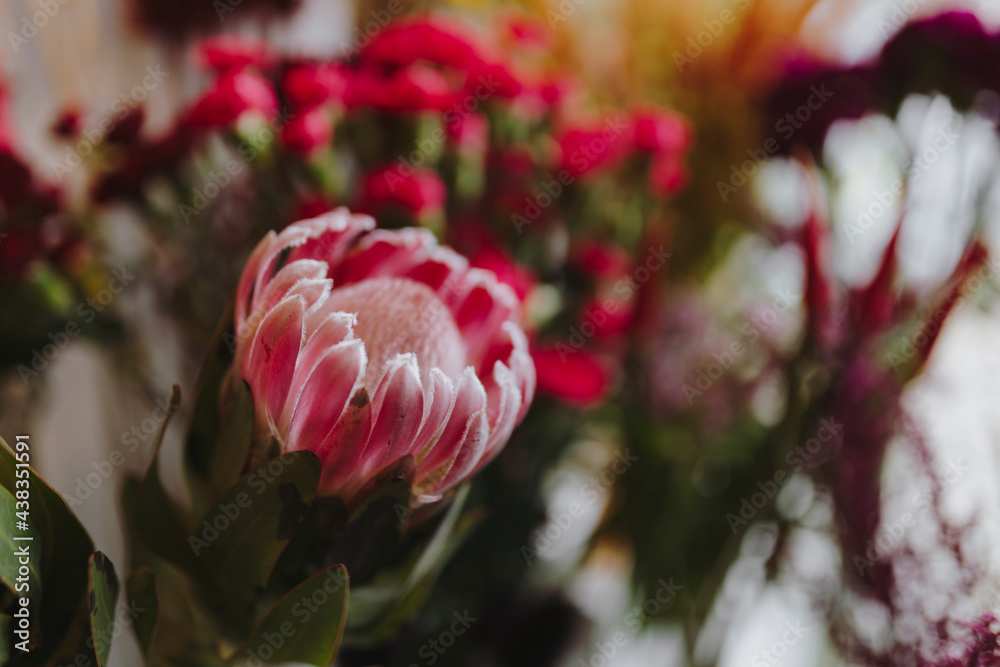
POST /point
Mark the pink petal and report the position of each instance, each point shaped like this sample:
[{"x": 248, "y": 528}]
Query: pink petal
[
  {"x": 522, "y": 366},
  {"x": 286, "y": 279},
  {"x": 273, "y": 354},
  {"x": 330, "y": 235},
  {"x": 385, "y": 253},
  {"x": 398, "y": 407},
  {"x": 333, "y": 326},
  {"x": 245, "y": 291},
  {"x": 441, "y": 272},
  {"x": 464, "y": 437},
  {"x": 320, "y": 392},
  {"x": 439, "y": 400},
  {"x": 342, "y": 450},
  {"x": 503, "y": 400},
  {"x": 482, "y": 309}
]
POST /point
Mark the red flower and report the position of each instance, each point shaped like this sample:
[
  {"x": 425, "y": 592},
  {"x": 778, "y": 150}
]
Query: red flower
[
  {"x": 424, "y": 38},
  {"x": 419, "y": 191},
  {"x": 528, "y": 31},
  {"x": 573, "y": 375},
  {"x": 588, "y": 149},
  {"x": 67, "y": 125},
  {"x": 667, "y": 174},
  {"x": 470, "y": 133},
  {"x": 368, "y": 351},
  {"x": 310, "y": 85},
  {"x": 126, "y": 130},
  {"x": 609, "y": 316},
  {"x": 19, "y": 249},
  {"x": 236, "y": 92},
  {"x": 492, "y": 258},
  {"x": 604, "y": 261},
  {"x": 659, "y": 131},
  {"x": 225, "y": 52},
  {"x": 416, "y": 87},
  {"x": 308, "y": 131},
  {"x": 312, "y": 206}
]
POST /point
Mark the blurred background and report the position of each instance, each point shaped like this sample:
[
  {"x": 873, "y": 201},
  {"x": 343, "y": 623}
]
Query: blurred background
[{"x": 781, "y": 449}]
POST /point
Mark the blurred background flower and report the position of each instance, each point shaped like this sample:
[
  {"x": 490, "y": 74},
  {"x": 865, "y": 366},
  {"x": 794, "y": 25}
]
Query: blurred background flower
[{"x": 753, "y": 243}]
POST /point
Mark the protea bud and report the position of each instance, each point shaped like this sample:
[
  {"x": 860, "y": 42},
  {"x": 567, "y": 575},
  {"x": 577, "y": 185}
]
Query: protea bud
[{"x": 367, "y": 347}]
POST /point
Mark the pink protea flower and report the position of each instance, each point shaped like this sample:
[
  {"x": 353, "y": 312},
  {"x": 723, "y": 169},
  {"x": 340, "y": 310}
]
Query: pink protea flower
[{"x": 369, "y": 346}]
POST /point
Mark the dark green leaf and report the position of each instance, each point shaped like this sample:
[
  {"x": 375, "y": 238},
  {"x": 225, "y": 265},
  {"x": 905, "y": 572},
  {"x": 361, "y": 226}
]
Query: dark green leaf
[
  {"x": 156, "y": 518},
  {"x": 63, "y": 547},
  {"x": 19, "y": 541},
  {"x": 103, "y": 592},
  {"x": 295, "y": 632},
  {"x": 240, "y": 538},
  {"x": 377, "y": 610},
  {"x": 373, "y": 536},
  {"x": 232, "y": 447},
  {"x": 141, "y": 595},
  {"x": 203, "y": 430}
]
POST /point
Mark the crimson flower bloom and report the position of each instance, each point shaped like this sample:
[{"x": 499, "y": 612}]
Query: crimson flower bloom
[
  {"x": 309, "y": 131},
  {"x": 366, "y": 347},
  {"x": 224, "y": 52},
  {"x": 236, "y": 91},
  {"x": 309, "y": 85},
  {"x": 413, "y": 88},
  {"x": 574, "y": 375},
  {"x": 434, "y": 40},
  {"x": 420, "y": 191},
  {"x": 658, "y": 131}
]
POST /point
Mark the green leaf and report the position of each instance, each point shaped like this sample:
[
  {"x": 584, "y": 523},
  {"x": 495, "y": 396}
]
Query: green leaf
[
  {"x": 294, "y": 632},
  {"x": 240, "y": 538},
  {"x": 140, "y": 590},
  {"x": 232, "y": 447},
  {"x": 378, "y": 609},
  {"x": 63, "y": 547},
  {"x": 103, "y": 592},
  {"x": 203, "y": 431},
  {"x": 156, "y": 518},
  {"x": 16, "y": 538},
  {"x": 373, "y": 536}
]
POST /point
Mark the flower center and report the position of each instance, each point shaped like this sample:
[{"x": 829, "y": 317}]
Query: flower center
[{"x": 399, "y": 315}]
